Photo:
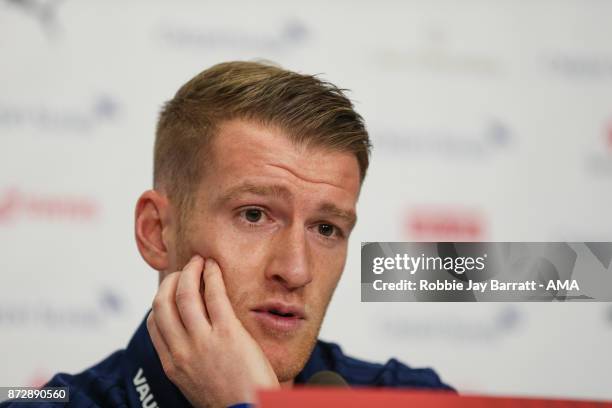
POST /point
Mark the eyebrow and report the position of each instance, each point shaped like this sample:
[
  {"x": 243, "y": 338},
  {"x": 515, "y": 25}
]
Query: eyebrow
[
  {"x": 255, "y": 189},
  {"x": 332, "y": 210},
  {"x": 279, "y": 191}
]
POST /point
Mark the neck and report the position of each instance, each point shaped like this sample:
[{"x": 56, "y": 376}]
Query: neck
[{"x": 287, "y": 384}]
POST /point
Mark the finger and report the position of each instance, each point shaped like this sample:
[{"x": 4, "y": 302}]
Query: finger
[
  {"x": 166, "y": 314},
  {"x": 189, "y": 299},
  {"x": 217, "y": 303},
  {"x": 158, "y": 342}
]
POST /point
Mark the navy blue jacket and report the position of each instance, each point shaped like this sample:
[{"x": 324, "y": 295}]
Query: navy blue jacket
[{"x": 134, "y": 377}]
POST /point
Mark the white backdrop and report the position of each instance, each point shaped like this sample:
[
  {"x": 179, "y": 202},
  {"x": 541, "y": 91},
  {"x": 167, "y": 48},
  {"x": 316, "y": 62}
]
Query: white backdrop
[{"x": 491, "y": 120}]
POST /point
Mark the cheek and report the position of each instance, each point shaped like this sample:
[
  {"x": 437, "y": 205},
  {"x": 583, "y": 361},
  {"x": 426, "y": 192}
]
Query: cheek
[
  {"x": 238, "y": 265},
  {"x": 239, "y": 255},
  {"x": 329, "y": 272},
  {"x": 235, "y": 252},
  {"x": 242, "y": 267}
]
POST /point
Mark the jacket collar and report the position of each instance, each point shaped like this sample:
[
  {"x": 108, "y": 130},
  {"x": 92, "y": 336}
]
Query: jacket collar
[
  {"x": 147, "y": 383},
  {"x": 148, "y": 386}
]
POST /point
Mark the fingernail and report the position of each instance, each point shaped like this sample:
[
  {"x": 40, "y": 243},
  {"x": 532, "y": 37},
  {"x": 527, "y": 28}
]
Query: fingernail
[{"x": 196, "y": 258}]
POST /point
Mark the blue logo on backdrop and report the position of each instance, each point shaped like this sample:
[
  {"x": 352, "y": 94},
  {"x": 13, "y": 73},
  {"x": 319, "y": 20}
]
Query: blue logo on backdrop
[
  {"x": 286, "y": 37},
  {"x": 505, "y": 321},
  {"x": 44, "y": 11},
  {"x": 100, "y": 110},
  {"x": 448, "y": 143},
  {"x": 581, "y": 66},
  {"x": 106, "y": 304}
]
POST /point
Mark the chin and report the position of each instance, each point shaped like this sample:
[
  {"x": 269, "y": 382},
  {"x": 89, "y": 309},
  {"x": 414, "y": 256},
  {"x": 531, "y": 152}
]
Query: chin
[
  {"x": 286, "y": 350},
  {"x": 287, "y": 355},
  {"x": 286, "y": 361}
]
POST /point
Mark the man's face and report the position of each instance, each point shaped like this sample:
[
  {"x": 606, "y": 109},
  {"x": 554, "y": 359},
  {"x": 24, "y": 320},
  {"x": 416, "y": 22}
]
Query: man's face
[{"x": 276, "y": 218}]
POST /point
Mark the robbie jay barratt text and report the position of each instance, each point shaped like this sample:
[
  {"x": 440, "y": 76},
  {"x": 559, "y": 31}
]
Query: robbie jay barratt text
[{"x": 493, "y": 285}]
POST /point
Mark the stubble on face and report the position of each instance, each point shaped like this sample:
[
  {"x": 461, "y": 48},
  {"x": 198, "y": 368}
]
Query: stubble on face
[
  {"x": 288, "y": 352},
  {"x": 202, "y": 233},
  {"x": 289, "y": 361}
]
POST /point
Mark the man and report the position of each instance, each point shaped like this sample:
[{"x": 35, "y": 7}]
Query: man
[{"x": 257, "y": 171}]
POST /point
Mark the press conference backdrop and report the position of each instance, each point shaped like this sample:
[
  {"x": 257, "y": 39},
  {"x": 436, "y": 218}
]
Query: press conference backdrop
[{"x": 491, "y": 120}]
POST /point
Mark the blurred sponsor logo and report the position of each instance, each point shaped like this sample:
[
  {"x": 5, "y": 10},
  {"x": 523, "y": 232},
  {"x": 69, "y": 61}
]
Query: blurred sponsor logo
[
  {"x": 502, "y": 323},
  {"x": 445, "y": 224},
  {"x": 15, "y": 205},
  {"x": 49, "y": 119},
  {"x": 447, "y": 143},
  {"x": 599, "y": 161},
  {"x": 106, "y": 304},
  {"x": 436, "y": 55},
  {"x": 581, "y": 66},
  {"x": 43, "y": 11},
  {"x": 290, "y": 34},
  {"x": 580, "y": 233}
]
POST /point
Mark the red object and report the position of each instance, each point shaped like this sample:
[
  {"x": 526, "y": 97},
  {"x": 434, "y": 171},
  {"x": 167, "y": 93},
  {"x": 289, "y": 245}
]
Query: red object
[
  {"x": 445, "y": 224},
  {"x": 394, "y": 398}
]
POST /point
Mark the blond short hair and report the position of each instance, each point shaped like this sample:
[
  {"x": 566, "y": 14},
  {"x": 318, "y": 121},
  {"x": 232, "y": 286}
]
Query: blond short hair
[{"x": 311, "y": 111}]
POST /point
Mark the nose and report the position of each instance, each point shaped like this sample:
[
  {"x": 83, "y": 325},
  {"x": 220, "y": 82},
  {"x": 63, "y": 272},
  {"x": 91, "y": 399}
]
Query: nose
[{"x": 290, "y": 259}]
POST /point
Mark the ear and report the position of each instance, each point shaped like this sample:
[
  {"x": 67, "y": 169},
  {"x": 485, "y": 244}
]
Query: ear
[{"x": 153, "y": 229}]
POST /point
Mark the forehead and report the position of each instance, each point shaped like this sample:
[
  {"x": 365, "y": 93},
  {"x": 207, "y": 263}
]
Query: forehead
[{"x": 249, "y": 151}]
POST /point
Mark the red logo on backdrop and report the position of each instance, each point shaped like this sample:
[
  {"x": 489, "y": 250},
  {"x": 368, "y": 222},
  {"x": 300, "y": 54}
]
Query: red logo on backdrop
[
  {"x": 16, "y": 204},
  {"x": 38, "y": 379},
  {"x": 609, "y": 137},
  {"x": 445, "y": 224}
]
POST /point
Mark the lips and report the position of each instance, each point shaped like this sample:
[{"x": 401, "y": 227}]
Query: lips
[{"x": 279, "y": 317}]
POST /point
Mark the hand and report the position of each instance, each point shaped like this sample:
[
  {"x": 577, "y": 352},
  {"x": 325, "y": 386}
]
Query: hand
[{"x": 203, "y": 347}]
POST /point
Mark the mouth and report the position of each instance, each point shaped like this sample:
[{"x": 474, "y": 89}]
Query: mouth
[
  {"x": 279, "y": 317},
  {"x": 281, "y": 314}
]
